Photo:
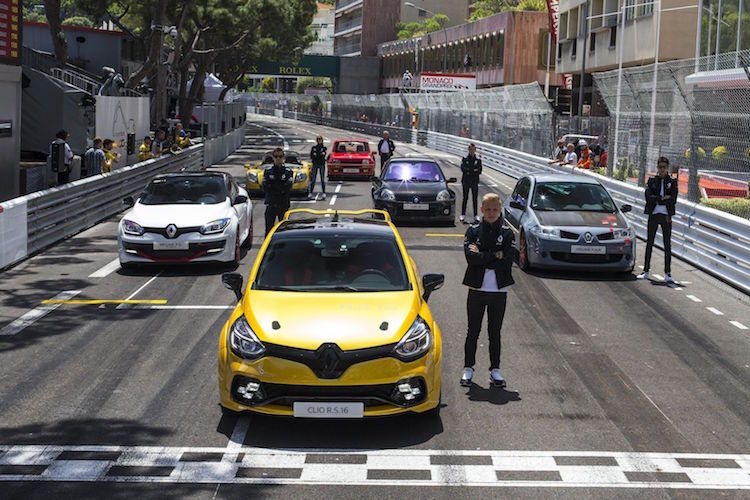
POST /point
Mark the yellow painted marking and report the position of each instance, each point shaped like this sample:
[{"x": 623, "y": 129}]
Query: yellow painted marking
[
  {"x": 96, "y": 302},
  {"x": 444, "y": 235}
]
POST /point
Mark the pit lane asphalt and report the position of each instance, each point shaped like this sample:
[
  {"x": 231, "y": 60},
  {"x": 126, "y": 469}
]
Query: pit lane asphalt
[{"x": 593, "y": 362}]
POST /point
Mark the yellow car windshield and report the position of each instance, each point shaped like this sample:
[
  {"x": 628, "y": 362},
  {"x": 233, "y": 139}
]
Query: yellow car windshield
[{"x": 332, "y": 263}]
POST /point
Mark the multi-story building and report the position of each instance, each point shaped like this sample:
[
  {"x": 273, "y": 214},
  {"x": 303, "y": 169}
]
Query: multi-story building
[
  {"x": 605, "y": 37},
  {"x": 363, "y": 24},
  {"x": 323, "y": 27},
  {"x": 510, "y": 47}
]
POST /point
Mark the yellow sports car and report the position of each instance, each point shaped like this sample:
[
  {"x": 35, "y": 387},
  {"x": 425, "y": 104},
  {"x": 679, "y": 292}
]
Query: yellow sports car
[
  {"x": 301, "y": 169},
  {"x": 333, "y": 323}
]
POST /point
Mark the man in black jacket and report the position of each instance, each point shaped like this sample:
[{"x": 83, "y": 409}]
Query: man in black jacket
[
  {"x": 471, "y": 169},
  {"x": 277, "y": 186},
  {"x": 488, "y": 247},
  {"x": 318, "y": 156},
  {"x": 661, "y": 198},
  {"x": 385, "y": 149}
]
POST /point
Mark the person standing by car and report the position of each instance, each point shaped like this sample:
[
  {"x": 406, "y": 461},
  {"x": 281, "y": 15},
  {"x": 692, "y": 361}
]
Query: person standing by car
[
  {"x": 318, "y": 156},
  {"x": 61, "y": 157},
  {"x": 661, "y": 198},
  {"x": 489, "y": 250},
  {"x": 277, "y": 186},
  {"x": 471, "y": 169},
  {"x": 385, "y": 149}
]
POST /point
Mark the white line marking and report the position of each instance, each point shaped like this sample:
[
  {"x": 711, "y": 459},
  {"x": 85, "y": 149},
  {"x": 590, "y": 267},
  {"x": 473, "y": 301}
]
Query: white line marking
[
  {"x": 124, "y": 306},
  {"x": 106, "y": 270},
  {"x": 492, "y": 185},
  {"x": 183, "y": 308},
  {"x": 338, "y": 188},
  {"x": 333, "y": 199},
  {"x": 694, "y": 298},
  {"x": 36, "y": 314},
  {"x": 658, "y": 276},
  {"x": 238, "y": 437},
  {"x": 739, "y": 325},
  {"x": 715, "y": 311}
]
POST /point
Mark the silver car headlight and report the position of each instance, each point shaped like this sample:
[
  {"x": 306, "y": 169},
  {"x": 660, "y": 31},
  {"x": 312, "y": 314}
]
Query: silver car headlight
[
  {"x": 387, "y": 195},
  {"x": 300, "y": 177},
  {"x": 243, "y": 341},
  {"x": 550, "y": 233},
  {"x": 444, "y": 195},
  {"x": 252, "y": 177},
  {"x": 415, "y": 343},
  {"x": 621, "y": 234},
  {"x": 215, "y": 226},
  {"x": 130, "y": 227}
]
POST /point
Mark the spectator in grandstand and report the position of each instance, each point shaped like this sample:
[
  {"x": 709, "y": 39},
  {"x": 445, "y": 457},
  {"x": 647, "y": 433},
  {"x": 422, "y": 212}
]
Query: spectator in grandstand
[
  {"x": 558, "y": 155},
  {"x": 144, "y": 151},
  {"x": 585, "y": 159},
  {"x": 95, "y": 158},
  {"x": 571, "y": 158}
]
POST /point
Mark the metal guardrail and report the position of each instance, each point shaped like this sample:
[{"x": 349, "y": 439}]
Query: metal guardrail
[{"x": 711, "y": 240}]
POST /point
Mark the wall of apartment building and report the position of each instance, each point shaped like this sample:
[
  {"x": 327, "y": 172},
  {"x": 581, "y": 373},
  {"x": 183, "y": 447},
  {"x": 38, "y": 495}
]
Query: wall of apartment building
[
  {"x": 456, "y": 10},
  {"x": 677, "y": 38},
  {"x": 379, "y": 18}
]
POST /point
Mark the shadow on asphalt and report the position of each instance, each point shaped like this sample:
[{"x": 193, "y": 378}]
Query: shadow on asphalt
[
  {"x": 492, "y": 395},
  {"x": 84, "y": 432},
  {"x": 369, "y": 434},
  {"x": 147, "y": 270}
]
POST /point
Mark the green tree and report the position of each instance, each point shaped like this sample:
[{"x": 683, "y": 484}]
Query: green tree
[
  {"x": 414, "y": 28},
  {"x": 267, "y": 85},
  {"x": 486, "y": 8},
  {"x": 313, "y": 81},
  {"x": 78, "y": 21}
]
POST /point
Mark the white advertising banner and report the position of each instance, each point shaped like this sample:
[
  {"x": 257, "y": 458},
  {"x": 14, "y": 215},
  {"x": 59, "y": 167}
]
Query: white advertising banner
[
  {"x": 123, "y": 119},
  {"x": 445, "y": 82}
]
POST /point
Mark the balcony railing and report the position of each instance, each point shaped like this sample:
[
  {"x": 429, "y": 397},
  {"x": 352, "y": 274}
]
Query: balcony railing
[
  {"x": 341, "y": 4},
  {"x": 349, "y": 24}
]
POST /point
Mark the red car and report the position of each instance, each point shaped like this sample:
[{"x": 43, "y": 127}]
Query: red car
[{"x": 351, "y": 158}]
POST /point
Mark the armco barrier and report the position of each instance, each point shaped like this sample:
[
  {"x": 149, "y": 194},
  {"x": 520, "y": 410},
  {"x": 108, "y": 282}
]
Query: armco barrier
[
  {"x": 35, "y": 221},
  {"x": 713, "y": 241}
]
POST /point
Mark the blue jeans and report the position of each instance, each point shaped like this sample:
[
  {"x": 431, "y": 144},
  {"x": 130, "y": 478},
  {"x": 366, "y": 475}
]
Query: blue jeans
[{"x": 314, "y": 175}]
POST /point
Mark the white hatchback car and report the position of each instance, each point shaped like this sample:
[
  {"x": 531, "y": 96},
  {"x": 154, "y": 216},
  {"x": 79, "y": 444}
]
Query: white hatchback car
[{"x": 186, "y": 217}]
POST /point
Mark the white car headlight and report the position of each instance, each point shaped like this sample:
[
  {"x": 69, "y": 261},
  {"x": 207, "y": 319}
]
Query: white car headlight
[
  {"x": 387, "y": 195},
  {"x": 335, "y": 161},
  {"x": 300, "y": 177},
  {"x": 130, "y": 227},
  {"x": 551, "y": 233},
  {"x": 215, "y": 226},
  {"x": 367, "y": 162},
  {"x": 415, "y": 342},
  {"x": 252, "y": 177},
  {"x": 444, "y": 195},
  {"x": 243, "y": 341},
  {"x": 621, "y": 234}
]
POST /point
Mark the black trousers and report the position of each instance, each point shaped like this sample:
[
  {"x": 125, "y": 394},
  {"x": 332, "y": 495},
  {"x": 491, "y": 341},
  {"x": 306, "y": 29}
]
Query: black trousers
[
  {"x": 472, "y": 186},
  {"x": 384, "y": 157},
  {"x": 272, "y": 213},
  {"x": 314, "y": 175},
  {"x": 654, "y": 221},
  {"x": 476, "y": 303}
]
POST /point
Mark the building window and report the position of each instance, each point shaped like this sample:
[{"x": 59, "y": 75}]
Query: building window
[
  {"x": 499, "y": 49},
  {"x": 559, "y": 51},
  {"x": 613, "y": 37},
  {"x": 629, "y": 10},
  {"x": 647, "y": 8},
  {"x": 542, "y": 62},
  {"x": 592, "y": 43},
  {"x": 573, "y": 49}
]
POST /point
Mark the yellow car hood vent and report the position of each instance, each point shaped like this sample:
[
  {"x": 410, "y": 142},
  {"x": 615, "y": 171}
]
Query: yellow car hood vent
[{"x": 351, "y": 320}]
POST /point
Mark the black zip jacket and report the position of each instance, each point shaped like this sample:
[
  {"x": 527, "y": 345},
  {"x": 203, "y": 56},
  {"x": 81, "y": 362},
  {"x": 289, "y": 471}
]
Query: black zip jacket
[
  {"x": 277, "y": 185},
  {"x": 653, "y": 196},
  {"x": 471, "y": 169},
  {"x": 318, "y": 154},
  {"x": 489, "y": 238},
  {"x": 391, "y": 146}
]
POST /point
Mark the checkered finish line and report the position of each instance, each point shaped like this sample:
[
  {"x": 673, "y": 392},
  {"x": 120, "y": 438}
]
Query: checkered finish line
[{"x": 555, "y": 469}]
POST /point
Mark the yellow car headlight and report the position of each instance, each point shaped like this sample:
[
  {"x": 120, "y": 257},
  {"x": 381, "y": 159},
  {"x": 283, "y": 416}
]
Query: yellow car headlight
[
  {"x": 252, "y": 176},
  {"x": 243, "y": 341},
  {"x": 415, "y": 342},
  {"x": 300, "y": 177}
]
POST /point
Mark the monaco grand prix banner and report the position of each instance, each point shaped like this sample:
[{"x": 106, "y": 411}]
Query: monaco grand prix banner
[
  {"x": 444, "y": 82},
  {"x": 553, "y": 10},
  {"x": 123, "y": 119}
]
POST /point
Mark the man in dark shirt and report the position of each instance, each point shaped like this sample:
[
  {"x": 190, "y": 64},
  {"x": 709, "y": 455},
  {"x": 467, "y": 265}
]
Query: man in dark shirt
[
  {"x": 318, "y": 156},
  {"x": 471, "y": 169},
  {"x": 661, "y": 198},
  {"x": 277, "y": 186}
]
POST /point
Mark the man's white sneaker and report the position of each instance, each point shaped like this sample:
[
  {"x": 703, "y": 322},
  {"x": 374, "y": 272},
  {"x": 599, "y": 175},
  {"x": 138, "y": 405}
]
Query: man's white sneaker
[
  {"x": 467, "y": 376},
  {"x": 323, "y": 196},
  {"x": 462, "y": 218},
  {"x": 310, "y": 196},
  {"x": 668, "y": 279},
  {"x": 643, "y": 275},
  {"x": 496, "y": 379}
]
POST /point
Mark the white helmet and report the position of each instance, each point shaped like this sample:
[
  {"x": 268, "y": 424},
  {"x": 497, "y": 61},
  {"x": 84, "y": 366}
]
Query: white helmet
[{"x": 582, "y": 142}]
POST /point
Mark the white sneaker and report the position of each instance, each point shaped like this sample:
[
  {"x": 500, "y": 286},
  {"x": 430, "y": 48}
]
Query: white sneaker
[
  {"x": 467, "y": 376},
  {"x": 310, "y": 196},
  {"x": 477, "y": 218},
  {"x": 643, "y": 276},
  {"x": 462, "y": 218},
  {"x": 323, "y": 196},
  {"x": 496, "y": 379},
  {"x": 668, "y": 279}
]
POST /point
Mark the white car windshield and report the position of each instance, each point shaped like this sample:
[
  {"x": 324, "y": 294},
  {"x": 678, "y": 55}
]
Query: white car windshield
[
  {"x": 572, "y": 196},
  {"x": 413, "y": 171},
  {"x": 185, "y": 190},
  {"x": 332, "y": 263}
]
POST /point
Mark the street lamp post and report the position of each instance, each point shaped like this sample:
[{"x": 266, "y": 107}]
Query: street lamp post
[{"x": 445, "y": 33}]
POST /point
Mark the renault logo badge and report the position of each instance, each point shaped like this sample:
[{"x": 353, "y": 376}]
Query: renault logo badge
[
  {"x": 171, "y": 231},
  {"x": 416, "y": 200},
  {"x": 588, "y": 237}
]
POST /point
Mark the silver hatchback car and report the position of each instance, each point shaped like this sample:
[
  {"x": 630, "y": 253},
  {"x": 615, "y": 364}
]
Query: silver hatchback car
[{"x": 569, "y": 222}]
